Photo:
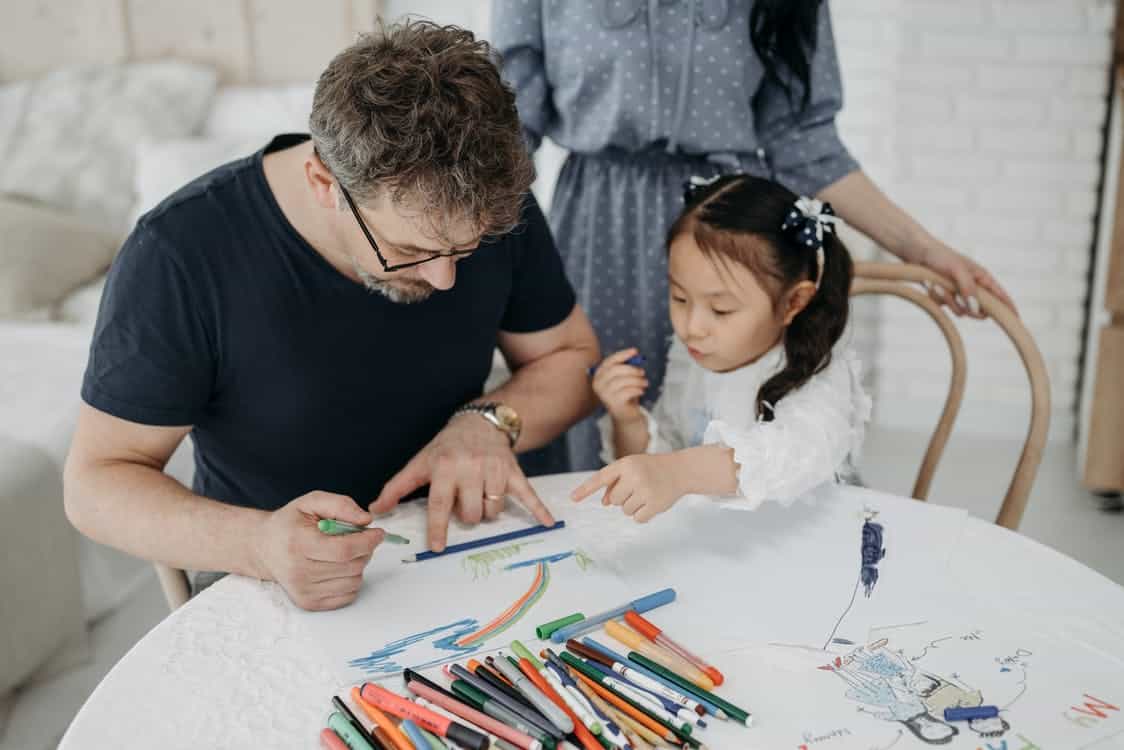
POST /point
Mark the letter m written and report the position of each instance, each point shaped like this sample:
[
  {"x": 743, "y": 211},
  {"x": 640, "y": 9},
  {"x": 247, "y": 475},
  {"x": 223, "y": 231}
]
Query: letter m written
[{"x": 1095, "y": 707}]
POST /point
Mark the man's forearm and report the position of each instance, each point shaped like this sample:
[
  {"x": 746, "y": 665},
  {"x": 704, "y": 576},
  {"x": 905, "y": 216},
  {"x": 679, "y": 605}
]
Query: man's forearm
[
  {"x": 144, "y": 512},
  {"x": 550, "y": 394}
]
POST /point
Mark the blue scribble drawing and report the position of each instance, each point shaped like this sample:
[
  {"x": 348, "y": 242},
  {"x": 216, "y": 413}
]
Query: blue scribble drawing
[
  {"x": 537, "y": 560},
  {"x": 383, "y": 662},
  {"x": 872, "y": 553}
]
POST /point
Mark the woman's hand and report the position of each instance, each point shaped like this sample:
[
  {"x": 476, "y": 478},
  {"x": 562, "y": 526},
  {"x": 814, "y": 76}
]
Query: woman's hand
[{"x": 968, "y": 276}]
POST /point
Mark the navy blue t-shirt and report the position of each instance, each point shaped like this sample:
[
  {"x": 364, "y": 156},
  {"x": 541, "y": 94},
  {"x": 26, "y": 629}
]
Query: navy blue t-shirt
[{"x": 217, "y": 314}]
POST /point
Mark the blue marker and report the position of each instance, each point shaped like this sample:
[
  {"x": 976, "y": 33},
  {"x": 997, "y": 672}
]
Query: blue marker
[
  {"x": 413, "y": 731},
  {"x": 641, "y": 605},
  {"x": 636, "y": 360},
  {"x": 969, "y": 713}
]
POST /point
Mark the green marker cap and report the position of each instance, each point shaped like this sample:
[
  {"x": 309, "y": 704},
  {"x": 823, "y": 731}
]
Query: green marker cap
[
  {"x": 469, "y": 692},
  {"x": 545, "y": 630},
  {"x": 351, "y": 737},
  {"x": 524, "y": 653}
]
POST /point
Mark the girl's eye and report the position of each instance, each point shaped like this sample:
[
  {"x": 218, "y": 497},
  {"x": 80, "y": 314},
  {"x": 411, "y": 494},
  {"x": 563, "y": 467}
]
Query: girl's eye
[
  {"x": 721, "y": 313},
  {"x": 678, "y": 300}
]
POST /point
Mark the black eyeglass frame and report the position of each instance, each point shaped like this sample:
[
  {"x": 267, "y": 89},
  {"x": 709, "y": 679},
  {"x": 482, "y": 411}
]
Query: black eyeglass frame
[{"x": 386, "y": 266}]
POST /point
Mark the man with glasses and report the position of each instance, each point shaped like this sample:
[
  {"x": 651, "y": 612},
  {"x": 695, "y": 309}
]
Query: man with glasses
[{"x": 321, "y": 318}]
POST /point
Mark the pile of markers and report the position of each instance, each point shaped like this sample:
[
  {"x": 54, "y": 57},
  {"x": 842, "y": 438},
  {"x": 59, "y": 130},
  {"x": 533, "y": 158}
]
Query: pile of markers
[{"x": 582, "y": 693}]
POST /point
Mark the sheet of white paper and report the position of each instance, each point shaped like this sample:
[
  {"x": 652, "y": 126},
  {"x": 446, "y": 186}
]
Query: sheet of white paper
[
  {"x": 786, "y": 575},
  {"x": 891, "y": 692},
  {"x": 422, "y": 614}
]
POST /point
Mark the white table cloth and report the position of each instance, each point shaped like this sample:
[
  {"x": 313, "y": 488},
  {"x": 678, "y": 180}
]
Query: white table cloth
[{"x": 235, "y": 669}]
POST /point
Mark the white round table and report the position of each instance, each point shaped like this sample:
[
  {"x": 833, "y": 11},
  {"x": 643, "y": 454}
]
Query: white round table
[{"x": 233, "y": 669}]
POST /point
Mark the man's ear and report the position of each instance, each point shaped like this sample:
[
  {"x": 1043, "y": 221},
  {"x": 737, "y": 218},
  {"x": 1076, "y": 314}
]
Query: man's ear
[
  {"x": 320, "y": 180},
  {"x": 797, "y": 299}
]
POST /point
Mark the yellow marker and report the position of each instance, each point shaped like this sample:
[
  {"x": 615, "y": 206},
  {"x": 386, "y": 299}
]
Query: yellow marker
[{"x": 666, "y": 659}]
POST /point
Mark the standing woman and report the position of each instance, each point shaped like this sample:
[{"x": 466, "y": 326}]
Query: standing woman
[{"x": 648, "y": 93}]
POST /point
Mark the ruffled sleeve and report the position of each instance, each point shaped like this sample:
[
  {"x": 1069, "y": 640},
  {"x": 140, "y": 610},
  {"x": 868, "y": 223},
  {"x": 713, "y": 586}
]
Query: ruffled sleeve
[
  {"x": 814, "y": 431},
  {"x": 665, "y": 434}
]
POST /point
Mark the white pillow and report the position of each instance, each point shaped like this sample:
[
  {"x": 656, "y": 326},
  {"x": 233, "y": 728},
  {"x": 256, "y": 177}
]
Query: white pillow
[
  {"x": 71, "y": 141},
  {"x": 164, "y": 167},
  {"x": 259, "y": 110}
]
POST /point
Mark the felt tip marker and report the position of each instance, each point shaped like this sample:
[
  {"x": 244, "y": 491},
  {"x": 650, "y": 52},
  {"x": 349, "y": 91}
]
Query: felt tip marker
[
  {"x": 335, "y": 528},
  {"x": 636, "y": 360}
]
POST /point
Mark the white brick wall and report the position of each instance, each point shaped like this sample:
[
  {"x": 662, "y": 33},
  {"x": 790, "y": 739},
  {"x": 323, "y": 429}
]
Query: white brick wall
[{"x": 994, "y": 144}]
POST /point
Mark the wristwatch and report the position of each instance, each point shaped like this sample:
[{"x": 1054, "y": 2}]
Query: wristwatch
[{"x": 503, "y": 417}]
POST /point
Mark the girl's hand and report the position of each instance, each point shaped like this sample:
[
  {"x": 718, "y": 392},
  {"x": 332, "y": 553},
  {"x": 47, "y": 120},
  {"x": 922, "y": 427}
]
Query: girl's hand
[
  {"x": 643, "y": 485},
  {"x": 619, "y": 386}
]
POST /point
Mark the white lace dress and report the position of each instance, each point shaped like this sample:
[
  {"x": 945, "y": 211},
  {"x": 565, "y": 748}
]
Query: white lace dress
[{"x": 815, "y": 436}]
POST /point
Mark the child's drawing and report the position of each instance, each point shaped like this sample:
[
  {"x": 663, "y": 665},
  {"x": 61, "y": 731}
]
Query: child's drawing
[
  {"x": 480, "y": 563},
  {"x": 467, "y": 635},
  {"x": 891, "y": 686}
]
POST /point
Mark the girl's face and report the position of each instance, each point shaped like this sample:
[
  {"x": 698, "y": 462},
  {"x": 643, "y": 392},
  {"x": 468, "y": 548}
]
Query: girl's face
[{"x": 719, "y": 310}]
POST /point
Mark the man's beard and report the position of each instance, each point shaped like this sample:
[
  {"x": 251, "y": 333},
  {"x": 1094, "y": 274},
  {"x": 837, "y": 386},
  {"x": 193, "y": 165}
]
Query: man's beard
[{"x": 402, "y": 292}]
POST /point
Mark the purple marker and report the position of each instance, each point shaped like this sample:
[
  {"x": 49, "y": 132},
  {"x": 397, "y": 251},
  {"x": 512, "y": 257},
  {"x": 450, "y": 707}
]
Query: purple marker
[{"x": 636, "y": 360}]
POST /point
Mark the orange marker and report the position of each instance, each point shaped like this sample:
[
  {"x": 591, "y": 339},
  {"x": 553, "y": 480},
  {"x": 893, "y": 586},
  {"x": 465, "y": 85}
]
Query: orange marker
[
  {"x": 589, "y": 742},
  {"x": 639, "y": 716},
  {"x": 665, "y": 658},
  {"x": 645, "y": 628},
  {"x": 382, "y": 721}
]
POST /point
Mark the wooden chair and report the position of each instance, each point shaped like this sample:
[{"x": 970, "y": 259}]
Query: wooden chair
[
  {"x": 177, "y": 589},
  {"x": 903, "y": 280}
]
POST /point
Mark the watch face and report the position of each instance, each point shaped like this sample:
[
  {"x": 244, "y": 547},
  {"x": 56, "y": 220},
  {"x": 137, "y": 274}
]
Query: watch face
[{"x": 508, "y": 417}]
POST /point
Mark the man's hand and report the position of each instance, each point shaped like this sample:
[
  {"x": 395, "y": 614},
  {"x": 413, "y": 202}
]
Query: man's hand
[
  {"x": 318, "y": 571},
  {"x": 643, "y": 485},
  {"x": 470, "y": 468}
]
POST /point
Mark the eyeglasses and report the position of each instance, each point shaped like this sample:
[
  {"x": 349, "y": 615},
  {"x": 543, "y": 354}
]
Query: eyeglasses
[{"x": 386, "y": 266}]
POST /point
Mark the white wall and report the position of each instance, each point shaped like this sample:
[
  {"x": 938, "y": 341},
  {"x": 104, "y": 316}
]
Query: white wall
[
  {"x": 993, "y": 142},
  {"x": 983, "y": 118}
]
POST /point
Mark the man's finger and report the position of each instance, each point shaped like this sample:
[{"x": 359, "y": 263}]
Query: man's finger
[
  {"x": 331, "y": 505},
  {"x": 522, "y": 491},
  {"x": 493, "y": 508},
  {"x": 415, "y": 474},
  {"x": 470, "y": 494},
  {"x": 594, "y": 483},
  {"x": 344, "y": 548},
  {"x": 441, "y": 501}
]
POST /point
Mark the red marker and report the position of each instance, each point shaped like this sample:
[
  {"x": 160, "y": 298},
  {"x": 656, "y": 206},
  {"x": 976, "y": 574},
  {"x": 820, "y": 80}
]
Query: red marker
[
  {"x": 398, "y": 706},
  {"x": 468, "y": 713},
  {"x": 655, "y": 635},
  {"x": 329, "y": 740}
]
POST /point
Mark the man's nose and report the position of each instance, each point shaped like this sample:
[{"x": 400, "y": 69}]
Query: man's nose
[{"x": 439, "y": 274}]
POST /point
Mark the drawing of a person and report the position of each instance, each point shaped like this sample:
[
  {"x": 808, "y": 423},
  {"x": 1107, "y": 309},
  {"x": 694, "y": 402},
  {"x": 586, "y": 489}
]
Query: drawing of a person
[{"x": 885, "y": 680}]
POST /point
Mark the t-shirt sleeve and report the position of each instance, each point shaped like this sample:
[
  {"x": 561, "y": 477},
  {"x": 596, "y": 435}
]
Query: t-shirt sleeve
[
  {"x": 541, "y": 296},
  {"x": 151, "y": 359}
]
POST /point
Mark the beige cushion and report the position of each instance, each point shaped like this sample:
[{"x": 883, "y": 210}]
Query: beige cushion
[{"x": 45, "y": 254}]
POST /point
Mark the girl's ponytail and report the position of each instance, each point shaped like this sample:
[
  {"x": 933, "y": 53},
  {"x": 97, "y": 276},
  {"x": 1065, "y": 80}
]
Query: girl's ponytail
[{"x": 812, "y": 334}]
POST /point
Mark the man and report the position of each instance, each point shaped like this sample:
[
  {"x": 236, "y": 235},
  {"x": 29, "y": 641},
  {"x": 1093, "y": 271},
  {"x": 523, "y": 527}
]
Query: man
[{"x": 321, "y": 318}]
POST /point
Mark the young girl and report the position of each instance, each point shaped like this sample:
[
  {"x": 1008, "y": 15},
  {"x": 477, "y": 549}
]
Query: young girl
[{"x": 758, "y": 401}]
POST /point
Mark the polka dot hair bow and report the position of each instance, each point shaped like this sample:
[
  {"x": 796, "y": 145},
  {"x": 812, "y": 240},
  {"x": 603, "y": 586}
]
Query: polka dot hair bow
[{"x": 806, "y": 222}]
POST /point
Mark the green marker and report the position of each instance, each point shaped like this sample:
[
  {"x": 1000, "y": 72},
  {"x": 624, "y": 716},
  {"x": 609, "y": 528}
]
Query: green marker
[
  {"x": 351, "y": 737},
  {"x": 736, "y": 713},
  {"x": 334, "y": 527},
  {"x": 682, "y": 732}
]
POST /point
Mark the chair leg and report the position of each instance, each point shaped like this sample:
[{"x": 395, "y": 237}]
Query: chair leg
[{"x": 174, "y": 582}]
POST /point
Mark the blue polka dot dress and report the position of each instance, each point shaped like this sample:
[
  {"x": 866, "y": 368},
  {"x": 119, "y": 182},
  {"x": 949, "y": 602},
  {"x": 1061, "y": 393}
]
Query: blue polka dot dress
[{"x": 645, "y": 94}]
